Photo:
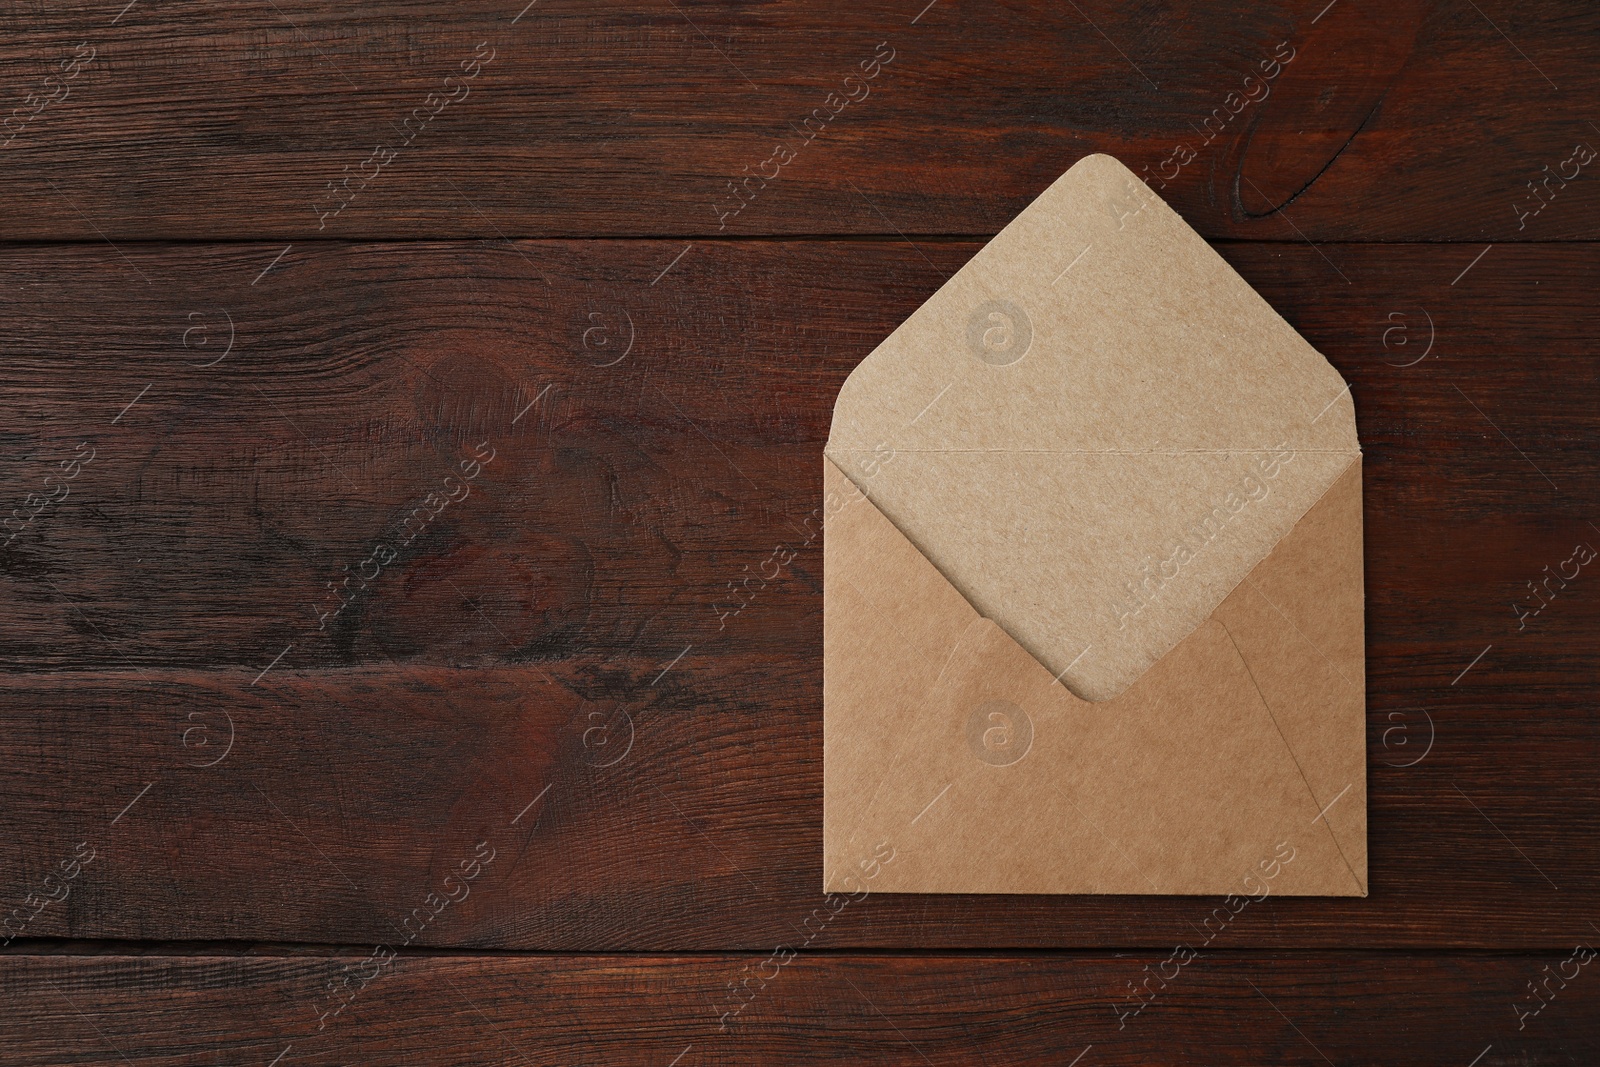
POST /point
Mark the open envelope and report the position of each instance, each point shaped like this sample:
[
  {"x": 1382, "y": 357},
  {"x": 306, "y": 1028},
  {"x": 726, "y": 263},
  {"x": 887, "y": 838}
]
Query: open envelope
[{"x": 1093, "y": 578}]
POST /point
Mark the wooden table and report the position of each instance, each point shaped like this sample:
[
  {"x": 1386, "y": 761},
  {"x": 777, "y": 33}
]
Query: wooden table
[{"x": 401, "y": 398}]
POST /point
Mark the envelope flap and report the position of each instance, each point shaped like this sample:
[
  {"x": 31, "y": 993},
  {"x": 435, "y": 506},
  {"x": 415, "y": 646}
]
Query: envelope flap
[
  {"x": 1095, "y": 429},
  {"x": 1097, "y": 320},
  {"x": 864, "y": 551}
]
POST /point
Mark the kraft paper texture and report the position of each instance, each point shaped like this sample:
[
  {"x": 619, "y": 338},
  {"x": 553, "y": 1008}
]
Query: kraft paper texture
[{"x": 1093, "y": 577}]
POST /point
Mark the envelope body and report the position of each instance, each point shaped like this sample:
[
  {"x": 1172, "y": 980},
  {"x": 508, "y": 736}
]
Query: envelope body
[{"x": 1093, "y": 578}]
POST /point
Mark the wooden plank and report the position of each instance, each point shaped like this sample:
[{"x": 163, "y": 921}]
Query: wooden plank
[
  {"x": 810, "y": 1009},
  {"x": 414, "y": 118},
  {"x": 580, "y": 595},
  {"x": 335, "y": 806},
  {"x": 233, "y": 509},
  {"x": 230, "y": 486}
]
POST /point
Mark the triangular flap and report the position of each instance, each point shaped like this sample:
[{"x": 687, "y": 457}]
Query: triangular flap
[
  {"x": 862, "y": 548},
  {"x": 1298, "y": 622},
  {"x": 1097, "y": 320}
]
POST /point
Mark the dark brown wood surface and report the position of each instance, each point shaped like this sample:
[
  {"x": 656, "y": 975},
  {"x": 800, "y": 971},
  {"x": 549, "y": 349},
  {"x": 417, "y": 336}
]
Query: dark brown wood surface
[
  {"x": 825, "y": 1009},
  {"x": 390, "y": 669},
  {"x": 231, "y": 119},
  {"x": 530, "y": 636}
]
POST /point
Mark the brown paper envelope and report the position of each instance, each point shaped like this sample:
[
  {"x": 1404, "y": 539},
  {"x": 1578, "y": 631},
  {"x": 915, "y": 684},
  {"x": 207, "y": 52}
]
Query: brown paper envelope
[{"x": 1094, "y": 465}]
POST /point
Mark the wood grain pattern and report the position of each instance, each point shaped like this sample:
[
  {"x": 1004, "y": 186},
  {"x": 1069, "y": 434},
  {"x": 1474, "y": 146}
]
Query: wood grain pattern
[
  {"x": 641, "y": 118},
  {"x": 374, "y": 579},
  {"x": 1219, "y": 1009},
  {"x": 223, "y": 499},
  {"x": 576, "y": 605},
  {"x": 685, "y": 814}
]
